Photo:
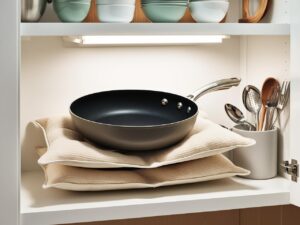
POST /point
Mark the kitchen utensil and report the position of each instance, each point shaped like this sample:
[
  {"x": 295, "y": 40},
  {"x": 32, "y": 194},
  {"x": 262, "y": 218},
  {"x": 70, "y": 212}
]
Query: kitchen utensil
[
  {"x": 139, "y": 119},
  {"x": 258, "y": 15},
  {"x": 164, "y": 13},
  {"x": 271, "y": 106},
  {"x": 283, "y": 99},
  {"x": 208, "y": 11},
  {"x": 252, "y": 101},
  {"x": 32, "y": 10},
  {"x": 71, "y": 11},
  {"x": 267, "y": 90},
  {"x": 115, "y": 13},
  {"x": 261, "y": 158},
  {"x": 284, "y": 95},
  {"x": 237, "y": 116}
]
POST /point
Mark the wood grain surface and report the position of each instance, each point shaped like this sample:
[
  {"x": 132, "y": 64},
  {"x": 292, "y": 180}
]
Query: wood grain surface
[
  {"x": 275, "y": 215},
  {"x": 258, "y": 15}
]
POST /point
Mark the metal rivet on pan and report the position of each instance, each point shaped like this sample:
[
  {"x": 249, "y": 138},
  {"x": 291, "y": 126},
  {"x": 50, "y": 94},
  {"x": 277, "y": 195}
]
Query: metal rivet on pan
[
  {"x": 179, "y": 105},
  {"x": 189, "y": 109},
  {"x": 164, "y": 101}
]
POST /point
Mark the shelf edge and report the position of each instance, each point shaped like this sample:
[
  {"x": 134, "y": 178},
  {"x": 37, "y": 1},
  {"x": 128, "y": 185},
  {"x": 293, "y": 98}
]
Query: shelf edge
[{"x": 62, "y": 29}]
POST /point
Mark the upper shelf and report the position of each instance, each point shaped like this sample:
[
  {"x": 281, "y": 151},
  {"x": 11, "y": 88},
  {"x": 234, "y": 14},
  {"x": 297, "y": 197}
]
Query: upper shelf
[
  {"x": 74, "y": 29},
  {"x": 53, "y": 206}
]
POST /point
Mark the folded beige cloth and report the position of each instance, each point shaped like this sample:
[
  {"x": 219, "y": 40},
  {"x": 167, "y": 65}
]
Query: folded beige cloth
[
  {"x": 66, "y": 146},
  {"x": 86, "y": 179}
]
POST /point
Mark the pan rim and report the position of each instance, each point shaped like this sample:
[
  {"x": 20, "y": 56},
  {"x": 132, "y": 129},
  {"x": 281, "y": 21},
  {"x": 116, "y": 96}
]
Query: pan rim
[{"x": 128, "y": 126}]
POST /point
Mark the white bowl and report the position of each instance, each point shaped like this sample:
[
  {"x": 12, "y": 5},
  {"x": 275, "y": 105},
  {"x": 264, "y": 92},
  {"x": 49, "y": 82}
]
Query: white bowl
[
  {"x": 115, "y": 13},
  {"x": 159, "y": 13},
  {"x": 209, "y": 11},
  {"x": 209, "y": 0},
  {"x": 115, "y": 2}
]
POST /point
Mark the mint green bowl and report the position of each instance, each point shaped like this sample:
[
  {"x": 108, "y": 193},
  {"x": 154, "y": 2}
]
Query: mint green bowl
[
  {"x": 161, "y": 13},
  {"x": 164, "y": 3},
  {"x": 71, "y": 11},
  {"x": 74, "y": 1}
]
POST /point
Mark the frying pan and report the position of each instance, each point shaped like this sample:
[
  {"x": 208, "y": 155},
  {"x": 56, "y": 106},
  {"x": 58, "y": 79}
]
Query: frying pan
[{"x": 139, "y": 119}]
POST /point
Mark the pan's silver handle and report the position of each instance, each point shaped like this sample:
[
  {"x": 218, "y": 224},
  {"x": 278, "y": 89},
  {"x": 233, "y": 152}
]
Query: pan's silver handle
[{"x": 215, "y": 86}]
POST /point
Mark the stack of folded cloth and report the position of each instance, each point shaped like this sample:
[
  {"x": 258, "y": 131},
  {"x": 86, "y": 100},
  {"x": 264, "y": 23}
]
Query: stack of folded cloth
[{"x": 71, "y": 162}]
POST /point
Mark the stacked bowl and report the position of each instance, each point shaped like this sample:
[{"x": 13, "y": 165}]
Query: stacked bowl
[
  {"x": 71, "y": 10},
  {"x": 32, "y": 10},
  {"x": 164, "y": 11},
  {"x": 208, "y": 11},
  {"x": 115, "y": 11}
]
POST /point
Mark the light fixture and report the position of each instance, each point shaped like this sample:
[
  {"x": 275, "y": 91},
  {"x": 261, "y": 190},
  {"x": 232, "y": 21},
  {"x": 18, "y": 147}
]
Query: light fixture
[{"x": 116, "y": 40}]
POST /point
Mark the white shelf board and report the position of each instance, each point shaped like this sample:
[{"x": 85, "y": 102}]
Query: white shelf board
[
  {"x": 53, "y": 206},
  {"x": 73, "y": 29}
]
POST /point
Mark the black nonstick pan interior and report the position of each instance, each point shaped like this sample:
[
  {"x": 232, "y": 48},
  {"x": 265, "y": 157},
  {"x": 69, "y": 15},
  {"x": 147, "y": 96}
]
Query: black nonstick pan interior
[{"x": 134, "y": 108}]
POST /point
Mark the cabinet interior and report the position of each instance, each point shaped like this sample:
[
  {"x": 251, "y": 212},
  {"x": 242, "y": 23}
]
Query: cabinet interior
[{"x": 53, "y": 74}]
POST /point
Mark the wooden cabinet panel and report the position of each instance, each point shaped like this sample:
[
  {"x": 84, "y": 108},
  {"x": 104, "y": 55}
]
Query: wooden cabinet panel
[
  {"x": 290, "y": 215},
  {"x": 261, "y": 216},
  {"x": 249, "y": 216},
  {"x": 271, "y": 215},
  {"x": 212, "y": 218},
  {"x": 276, "y": 215}
]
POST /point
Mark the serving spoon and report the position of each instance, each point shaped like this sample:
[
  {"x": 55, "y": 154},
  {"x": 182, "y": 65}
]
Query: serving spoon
[
  {"x": 270, "y": 86},
  {"x": 237, "y": 116},
  {"x": 252, "y": 101}
]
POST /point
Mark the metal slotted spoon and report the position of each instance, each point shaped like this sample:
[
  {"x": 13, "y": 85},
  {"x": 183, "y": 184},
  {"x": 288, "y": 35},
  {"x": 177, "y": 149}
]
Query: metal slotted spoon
[{"x": 252, "y": 101}]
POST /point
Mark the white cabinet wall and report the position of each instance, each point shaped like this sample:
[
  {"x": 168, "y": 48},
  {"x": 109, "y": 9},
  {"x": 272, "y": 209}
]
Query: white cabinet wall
[
  {"x": 9, "y": 133},
  {"x": 49, "y": 74}
]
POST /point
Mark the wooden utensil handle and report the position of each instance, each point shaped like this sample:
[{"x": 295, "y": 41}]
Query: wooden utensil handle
[{"x": 262, "y": 118}]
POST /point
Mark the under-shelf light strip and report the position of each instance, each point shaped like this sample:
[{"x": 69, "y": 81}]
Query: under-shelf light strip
[{"x": 146, "y": 39}]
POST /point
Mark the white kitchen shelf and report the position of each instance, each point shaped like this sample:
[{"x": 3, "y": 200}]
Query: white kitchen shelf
[
  {"x": 70, "y": 29},
  {"x": 52, "y": 206}
]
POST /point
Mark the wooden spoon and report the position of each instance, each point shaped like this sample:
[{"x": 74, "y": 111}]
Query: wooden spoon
[
  {"x": 270, "y": 85},
  {"x": 247, "y": 18}
]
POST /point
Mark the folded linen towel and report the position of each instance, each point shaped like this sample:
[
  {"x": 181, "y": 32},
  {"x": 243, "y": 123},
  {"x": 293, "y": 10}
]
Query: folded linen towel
[
  {"x": 86, "y": 179},
  {"x": 66, "y": 146}
]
